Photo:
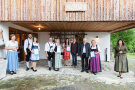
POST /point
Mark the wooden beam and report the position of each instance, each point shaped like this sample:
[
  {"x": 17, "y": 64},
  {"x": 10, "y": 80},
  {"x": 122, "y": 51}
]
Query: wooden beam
[
  {"x": 129, "y": 26},
  {"x": 54, "y": 10}
]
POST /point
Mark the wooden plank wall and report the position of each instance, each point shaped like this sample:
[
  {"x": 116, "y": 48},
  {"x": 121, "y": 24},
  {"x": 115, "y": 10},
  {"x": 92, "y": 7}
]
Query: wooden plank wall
[{"x": 53, "y": 10}]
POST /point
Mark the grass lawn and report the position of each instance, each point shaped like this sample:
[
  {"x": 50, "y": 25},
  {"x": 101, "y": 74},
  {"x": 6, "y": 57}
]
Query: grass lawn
[{"x": 131, "y": 55}]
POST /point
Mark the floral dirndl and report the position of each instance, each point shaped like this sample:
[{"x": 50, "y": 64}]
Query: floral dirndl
[
  {"x": 66, "y": 55},
  {"x": 35, "y": 54}
]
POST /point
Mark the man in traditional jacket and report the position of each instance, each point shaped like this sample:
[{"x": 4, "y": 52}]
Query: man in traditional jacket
[
  {"x": 74, "y": 52},
  {"x": 84, "y": 52}
]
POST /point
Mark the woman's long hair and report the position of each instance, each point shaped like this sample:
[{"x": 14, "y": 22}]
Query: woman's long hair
[
  {"x": 123, "y": 43},
  {"x": 66, "y": 41}
]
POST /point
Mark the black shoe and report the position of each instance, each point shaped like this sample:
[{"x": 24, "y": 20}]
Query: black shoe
[
  {"x": 49, "y": 68},
  {"x": 34, "y": 70},
  {"x": 14, "y": 72},
  {"x": 31, "y": 68},
  {"x": 94, "y": 73},
  {"x": 56, "y": 70},
  {"x": 11, "y": 72},
  {"x": 27, "y": 69},
  {"x": 87, "y": 72},
  {"x": 82, "y": 71}
]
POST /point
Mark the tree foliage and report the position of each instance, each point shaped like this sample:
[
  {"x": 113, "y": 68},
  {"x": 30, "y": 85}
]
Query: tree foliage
[{"x": 128, "y": 36}]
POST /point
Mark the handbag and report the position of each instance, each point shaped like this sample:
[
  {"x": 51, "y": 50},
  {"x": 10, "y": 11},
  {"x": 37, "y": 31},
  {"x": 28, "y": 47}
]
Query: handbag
[
  {"x": 92, "y": 54},
  {"x": 62, "y": 53}
]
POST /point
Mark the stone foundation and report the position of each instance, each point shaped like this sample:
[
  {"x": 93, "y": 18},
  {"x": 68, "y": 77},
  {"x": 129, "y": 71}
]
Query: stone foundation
[{"x": 3, "y": 67}]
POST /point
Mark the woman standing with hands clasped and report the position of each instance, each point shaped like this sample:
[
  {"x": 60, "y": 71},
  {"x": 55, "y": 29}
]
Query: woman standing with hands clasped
[
  {"x": 95, "y": 63},
  {"x": 66, "y": 55},
  {"x": 58, "y": 50},
  {"x": 12, "y": 55},
  {"x": 121, "y": 62},
  {"x": 35, "y": 53}
]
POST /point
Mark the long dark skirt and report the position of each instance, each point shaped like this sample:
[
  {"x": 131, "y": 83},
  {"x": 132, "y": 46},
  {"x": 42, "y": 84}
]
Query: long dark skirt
[
  {"x": 121, "y": 64},
  {"x": 95, "y": 64}
]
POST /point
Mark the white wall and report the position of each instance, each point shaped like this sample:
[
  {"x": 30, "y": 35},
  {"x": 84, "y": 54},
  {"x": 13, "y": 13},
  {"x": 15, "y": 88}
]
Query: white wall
[
  {"x": 6, "y": 38},
  {"x": 42, "y": 39},
  {"x": 103, "y": 42}
]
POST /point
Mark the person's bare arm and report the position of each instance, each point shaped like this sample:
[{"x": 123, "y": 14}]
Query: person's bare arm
[
  {"x": 11, "y": 49},
  {"x": 46, "y": 53},
  {"x": 2, "y": 36}
]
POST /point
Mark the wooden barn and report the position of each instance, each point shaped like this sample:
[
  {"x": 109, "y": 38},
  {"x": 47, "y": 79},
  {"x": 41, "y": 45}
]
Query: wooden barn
[{"x": 93, "y": 19}]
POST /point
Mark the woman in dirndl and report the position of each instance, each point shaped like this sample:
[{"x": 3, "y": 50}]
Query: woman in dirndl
[
  {"x": 95, "y": 63},
  {"x": 66, "y": 55},
  {"x": 121, "y": 62},
  {"x": 12, "y": 55},
  {"x": 58, "y": 50},
  {"x": 35, "y": 48}
]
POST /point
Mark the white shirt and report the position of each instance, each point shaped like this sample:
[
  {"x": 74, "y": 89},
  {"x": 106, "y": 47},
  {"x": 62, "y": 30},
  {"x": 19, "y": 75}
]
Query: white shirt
[
  {"x": 48, "y": 45},
  {"x": 12, "y": 45},
  {"x": 26, "y": 42},
  {"x": 96, "y": 48},
  {"x": 84, "y": 49},
  {"x": 59, "y": 49}
]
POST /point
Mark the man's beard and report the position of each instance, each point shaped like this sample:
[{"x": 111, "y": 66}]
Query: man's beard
[{"x": 30, "y": 37}]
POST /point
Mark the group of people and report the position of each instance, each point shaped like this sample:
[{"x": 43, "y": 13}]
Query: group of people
[
  {"x": 56, "y": 52},
  {"x": 89, "y": 55}
]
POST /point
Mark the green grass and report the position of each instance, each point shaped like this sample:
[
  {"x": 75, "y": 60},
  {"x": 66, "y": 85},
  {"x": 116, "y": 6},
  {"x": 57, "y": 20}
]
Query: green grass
[{"x": 131, "y": 55}]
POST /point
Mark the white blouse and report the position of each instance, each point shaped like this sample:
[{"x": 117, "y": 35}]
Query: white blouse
[
  {"x": 59, "y": 49},
  {"x": 35, "y": 44},
  {"x": 96, "y": 48},
  {"x": 12, "y": 45}
]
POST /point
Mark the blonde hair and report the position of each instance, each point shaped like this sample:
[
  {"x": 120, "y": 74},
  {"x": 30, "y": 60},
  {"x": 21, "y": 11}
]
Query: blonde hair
[{"x": 93, "y": 40}]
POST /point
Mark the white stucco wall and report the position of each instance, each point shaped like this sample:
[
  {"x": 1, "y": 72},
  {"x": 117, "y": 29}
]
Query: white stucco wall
[
  {"x": 42, "y": 39},
  {"x": 103, "y": 41},
  {"x": 6, "y": 38}
]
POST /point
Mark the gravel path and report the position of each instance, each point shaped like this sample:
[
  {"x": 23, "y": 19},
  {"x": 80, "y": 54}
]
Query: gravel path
[{"x": 107, "y": 76}]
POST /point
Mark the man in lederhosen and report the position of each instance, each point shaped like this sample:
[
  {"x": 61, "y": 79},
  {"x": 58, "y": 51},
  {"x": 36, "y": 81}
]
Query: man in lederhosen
[
  {"x": 49, "y": 51},
  {"x": 27, "y": 46}
]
